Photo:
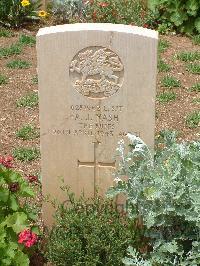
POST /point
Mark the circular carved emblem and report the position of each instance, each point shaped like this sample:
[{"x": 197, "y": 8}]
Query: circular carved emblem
[{"x": 96, "y": 72}]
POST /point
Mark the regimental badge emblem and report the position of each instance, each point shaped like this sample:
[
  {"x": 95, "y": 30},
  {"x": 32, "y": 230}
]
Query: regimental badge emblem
[{"x": 96, "y": 72}]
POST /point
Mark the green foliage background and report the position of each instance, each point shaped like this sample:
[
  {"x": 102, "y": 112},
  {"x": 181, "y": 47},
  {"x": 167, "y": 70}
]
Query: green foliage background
[
  {"x": 13, "y": 14},
  {"x": 183, "y": 14}
]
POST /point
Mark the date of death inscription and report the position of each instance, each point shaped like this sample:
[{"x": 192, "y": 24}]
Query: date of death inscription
[{"x": 94, "y": 121}]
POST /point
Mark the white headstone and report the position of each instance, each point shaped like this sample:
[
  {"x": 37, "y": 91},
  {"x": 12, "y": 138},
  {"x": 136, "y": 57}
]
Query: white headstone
[{"x": 96, "y": 83}]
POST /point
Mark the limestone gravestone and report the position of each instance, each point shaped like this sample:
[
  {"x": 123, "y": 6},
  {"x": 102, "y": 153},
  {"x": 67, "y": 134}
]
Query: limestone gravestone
[{"x": 96, "y": 83}]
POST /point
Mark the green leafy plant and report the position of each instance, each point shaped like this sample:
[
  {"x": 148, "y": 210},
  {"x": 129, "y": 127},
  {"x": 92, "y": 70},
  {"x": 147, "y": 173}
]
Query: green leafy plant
[
  {"x": 152, "y": 22},
  {"x": 196, "y": 87},
  {"x": 3, "y": 80},
  {"x": 163, "y": 45},
  {"x": 162, "y": 66},
  {"x": 136, "y": 259},
  {"x": 35, "y": 80},
  {"x": 193, "y": 68},
  {"x": 193, "y": 119},
  {"x": 67, "y": 11},
  {"x": 13, "y": 49},
  {"x": 116, "y": 11},
  {"x": 196, "y": 100},
  {"x": 170, "y": 82},
  {"x": 188, "y": 56},
  {"x": 165, "y": 27},
  {"x": 16, "y": 13},
  {"x": 27, "y": 132},
  {"x": 30, "y": 100},
  {"x": 162, "y": 193},
  {"x": 18, "y": 64},
  {"x": 27, "y": 40},
  {"x": 166, "y": 97},
  {"x": 182, "y": 14},
  {"x": 25, "y": 154},
  {"x": 17, "y": 225},
  {"x": 89, "y": 231},
  {"x": 196, "y": 39},
  {"x": 6, "y": 33}
]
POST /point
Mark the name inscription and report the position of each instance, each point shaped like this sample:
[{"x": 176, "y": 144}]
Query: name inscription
[{"x": 94, "y": 121}]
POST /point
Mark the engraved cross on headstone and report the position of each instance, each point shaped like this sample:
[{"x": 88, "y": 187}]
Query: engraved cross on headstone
[{"x": 96, "y": 165}]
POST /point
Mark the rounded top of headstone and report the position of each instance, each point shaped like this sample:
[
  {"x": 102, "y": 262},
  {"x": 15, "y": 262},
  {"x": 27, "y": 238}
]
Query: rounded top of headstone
[{"x": 99, "y": 27}]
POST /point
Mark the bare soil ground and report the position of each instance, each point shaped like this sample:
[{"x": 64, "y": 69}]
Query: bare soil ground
[
  {"x": 172, "y": 115},
  {"x": 168, "y": 116}
]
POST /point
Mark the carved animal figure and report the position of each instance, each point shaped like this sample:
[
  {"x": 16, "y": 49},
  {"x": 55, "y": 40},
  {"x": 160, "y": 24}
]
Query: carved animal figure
[{"x": 100, "y": 62}]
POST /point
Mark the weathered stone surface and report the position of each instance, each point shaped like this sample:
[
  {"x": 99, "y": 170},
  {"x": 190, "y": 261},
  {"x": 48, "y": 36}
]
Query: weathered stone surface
[{"x": 96, "y": 83}]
